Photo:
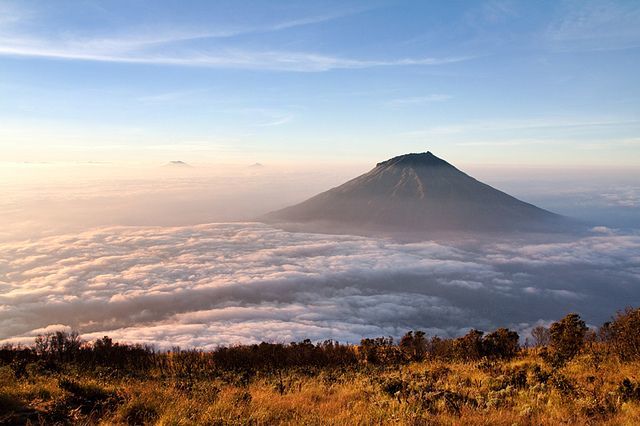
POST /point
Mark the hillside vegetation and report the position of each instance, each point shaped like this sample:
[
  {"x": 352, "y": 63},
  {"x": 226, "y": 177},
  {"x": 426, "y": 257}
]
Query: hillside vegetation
[{"x": 569, "y": 374}]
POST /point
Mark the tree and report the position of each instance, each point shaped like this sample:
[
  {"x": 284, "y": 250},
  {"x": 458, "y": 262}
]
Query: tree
[
  {"x": 414, "y": 345},
  {"x": 566, "y": 339},
  {"x": 469, "y": 346},
  {"x": 502, "y": 343},
  {"x": 541, "y": 336},
  {"x": 380, "y": 350},
  {"x": 59, "y": 345},
  {"x": 624, "y": 333}
]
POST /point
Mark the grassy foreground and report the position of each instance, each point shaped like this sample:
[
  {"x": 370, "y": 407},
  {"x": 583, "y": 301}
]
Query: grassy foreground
[{"x": 591, "y": 380}]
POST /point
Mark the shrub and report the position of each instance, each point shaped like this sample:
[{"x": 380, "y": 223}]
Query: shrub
[
  {"x": 413, "y": 346},
  {"x": 566, "y": 339},
  {"x": 469, "y": 346},
  {"x": 624, "y": 334},
  {"x": 502, "y": 343},
  {"x": 61, "y": 346},
  {"x": 380, "y": 350}
]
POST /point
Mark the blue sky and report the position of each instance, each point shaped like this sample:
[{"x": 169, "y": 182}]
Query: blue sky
[{"x": 497, "y": 82}]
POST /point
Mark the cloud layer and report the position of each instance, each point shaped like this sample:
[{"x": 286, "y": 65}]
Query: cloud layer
[{"x": 217, "y": 284}]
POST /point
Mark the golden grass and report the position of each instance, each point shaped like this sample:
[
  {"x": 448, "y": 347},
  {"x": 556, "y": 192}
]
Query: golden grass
[{"x": 525, "y": 391}]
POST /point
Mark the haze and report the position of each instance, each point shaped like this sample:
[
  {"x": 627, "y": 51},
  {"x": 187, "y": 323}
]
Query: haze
[{"x": 48, "y": 198}]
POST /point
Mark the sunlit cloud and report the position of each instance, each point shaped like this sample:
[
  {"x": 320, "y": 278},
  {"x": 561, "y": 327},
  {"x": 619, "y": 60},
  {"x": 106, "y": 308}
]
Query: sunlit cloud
[{"x": 238, "y": 283}]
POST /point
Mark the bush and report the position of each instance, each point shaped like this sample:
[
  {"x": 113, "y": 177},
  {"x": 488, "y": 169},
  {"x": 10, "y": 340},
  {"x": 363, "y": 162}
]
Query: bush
[
  {"x": 624, "y": 334},
  {"x": 566, "y": 339},
  {"x": 380, "y": 350},
  {"x": 502, "y": 343},
  {"x": 61, "y": 346},
  {"x": 475, "y": 345},
  {"x": 413, "y": 346},
  {"x": 470, "y": 346}
]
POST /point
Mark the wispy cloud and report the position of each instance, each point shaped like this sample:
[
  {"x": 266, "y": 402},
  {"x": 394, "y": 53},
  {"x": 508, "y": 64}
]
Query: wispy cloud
[
  {"x": 16, "y": 13},
  {"x": 311, "y": 20},
  {"x": 212, "y": 58},
  {"x": 175, "y": 47}
]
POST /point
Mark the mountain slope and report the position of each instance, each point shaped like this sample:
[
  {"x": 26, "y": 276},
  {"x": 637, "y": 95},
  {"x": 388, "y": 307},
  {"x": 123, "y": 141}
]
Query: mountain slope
[{"x": 419, "y": 192}]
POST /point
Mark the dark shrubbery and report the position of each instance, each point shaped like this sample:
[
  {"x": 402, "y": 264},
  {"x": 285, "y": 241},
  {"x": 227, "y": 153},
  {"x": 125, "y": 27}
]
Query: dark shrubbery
[
  {"x": 623, "y": 333},
  {"x": 567, "y": 337},
  {"x": 473, "y": 346},
  {"x": 273, "y": 356},
  {"x": 380, "y": 350},
  {"x": 60, "y": 345},
  {"x": 469, "y": 347},
  {"x": 502, "y": 343},
  {"x": 104, "y": 358},
  {"x": 468, "y": 380},
  {"x": 413, "y": 346}
]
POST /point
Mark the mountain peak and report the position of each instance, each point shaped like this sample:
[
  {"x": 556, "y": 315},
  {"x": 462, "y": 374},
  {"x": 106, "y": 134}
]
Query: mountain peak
[
  {"x": 414, "y": 193},
  {"x": 423, "y": 159}
]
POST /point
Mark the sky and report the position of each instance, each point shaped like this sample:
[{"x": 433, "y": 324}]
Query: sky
[{"x": 495, "y": 82}]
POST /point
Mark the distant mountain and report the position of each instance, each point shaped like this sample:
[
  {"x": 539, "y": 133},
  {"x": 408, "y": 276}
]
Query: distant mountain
[
  {"x": 256, "y": 166},
  {"x": 177, "y": 164},
  {"x": 417, "y": 193}
]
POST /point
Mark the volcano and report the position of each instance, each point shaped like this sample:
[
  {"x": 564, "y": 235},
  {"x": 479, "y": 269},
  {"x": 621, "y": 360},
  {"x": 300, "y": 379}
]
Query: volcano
[{"x": 417, "y": 193}]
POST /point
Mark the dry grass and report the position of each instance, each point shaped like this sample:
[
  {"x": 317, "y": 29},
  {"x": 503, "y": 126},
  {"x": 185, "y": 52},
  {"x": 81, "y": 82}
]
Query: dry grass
[{"x": 524, "y": 391}]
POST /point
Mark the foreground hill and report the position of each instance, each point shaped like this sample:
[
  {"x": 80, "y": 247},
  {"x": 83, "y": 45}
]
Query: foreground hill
[
  {"x": 417, "y": 193},
  {"x": 572, "y": 376}
]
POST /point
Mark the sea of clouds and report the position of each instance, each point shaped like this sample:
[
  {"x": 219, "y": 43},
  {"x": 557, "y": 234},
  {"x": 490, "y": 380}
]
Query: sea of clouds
[{"x": 207, "y": 285}]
